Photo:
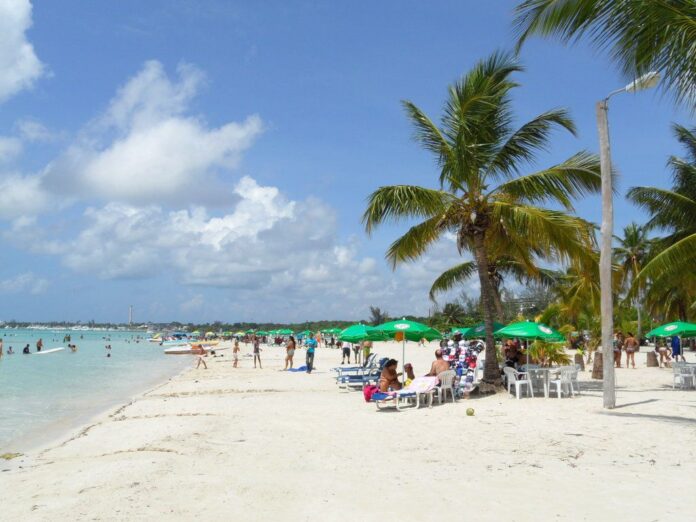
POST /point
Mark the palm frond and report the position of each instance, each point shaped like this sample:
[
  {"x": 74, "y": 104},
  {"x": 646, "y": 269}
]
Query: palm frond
[
  {"x": 450, "y": 278},
  {"x": 577, "y": 176},
  {"x": 669, "y": 209},
  {"x": 521, "y": 147},
  {"x": 415, "y": 241},
  {"x": 639, "y": 35},
  {"x": 398, "y": 202},
  {"x": 678, "y": 258}
]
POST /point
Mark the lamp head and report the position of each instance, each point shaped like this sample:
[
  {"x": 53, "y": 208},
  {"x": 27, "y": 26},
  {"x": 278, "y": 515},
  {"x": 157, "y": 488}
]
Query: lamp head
[{"x": 647, "y": 81}]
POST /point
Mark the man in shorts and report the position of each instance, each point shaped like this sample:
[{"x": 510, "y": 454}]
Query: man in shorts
[{"x": 346, "y": 353}]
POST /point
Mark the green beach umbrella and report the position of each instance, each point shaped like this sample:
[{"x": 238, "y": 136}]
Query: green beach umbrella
[
  {"x": 262, "y": 332},
  {"x": 678, "y": 328},
  {"x": 196, "y": 332},
  {"x": 361, "y": 332},
  {"x": 529, "y": 330},
  {"x": 284, "y": 331},
  {"x": 305, "y": 333},
  {"x": 479, "y": 331},
  {"x": 412, "y": 331},
  {"x": 460, "y": 330}
]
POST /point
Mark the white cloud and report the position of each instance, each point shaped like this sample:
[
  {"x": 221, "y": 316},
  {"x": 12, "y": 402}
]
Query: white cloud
[
  {"x": 19, "y": 66},
  {"x": 21, "y": 196},
  {"x": 34, "y": 131},
  {"x": 26, "y": 282},
  {"x": 144, "y": 149}
]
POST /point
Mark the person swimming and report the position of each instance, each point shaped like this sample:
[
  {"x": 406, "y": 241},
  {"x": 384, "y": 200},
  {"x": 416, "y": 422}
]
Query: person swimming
[{"x": 26, "y": 350}]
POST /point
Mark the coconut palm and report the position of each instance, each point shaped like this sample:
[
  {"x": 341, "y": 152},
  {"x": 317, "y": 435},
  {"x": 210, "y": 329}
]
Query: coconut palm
[
  {"x": 640, "y": 35},
  {"x": 673, "y": 211},
  {"x": 452, "y": 314},
  {"x": 631, "y": 253},
  {"x": 481, "y": 193},
  {"x": 499, "y": 270}
]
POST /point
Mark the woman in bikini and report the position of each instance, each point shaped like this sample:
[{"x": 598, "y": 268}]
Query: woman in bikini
[
  {"x": 631, "y": 346},
  {"x": 389, "y": 379},
  {"x": 290, "y": 352}
]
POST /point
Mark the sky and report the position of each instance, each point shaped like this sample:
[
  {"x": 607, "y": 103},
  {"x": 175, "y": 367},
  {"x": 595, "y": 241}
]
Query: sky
[{"x": 209, "y": 160}]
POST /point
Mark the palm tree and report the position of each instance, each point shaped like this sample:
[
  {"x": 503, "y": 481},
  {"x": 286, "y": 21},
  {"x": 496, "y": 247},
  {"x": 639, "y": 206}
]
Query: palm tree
[
  {"x": 452, "y": 314},
  {"x": 640, "y": 35},
  {"x": 632, "y": 252},
  {"x": 499, "y": 269},
  {"x": 482, "y": 194},
  {"x": 673, "y": 211}
]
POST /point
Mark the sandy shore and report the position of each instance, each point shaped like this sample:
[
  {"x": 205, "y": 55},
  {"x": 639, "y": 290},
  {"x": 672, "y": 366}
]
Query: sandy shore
[{"x": 244, "y": 444}]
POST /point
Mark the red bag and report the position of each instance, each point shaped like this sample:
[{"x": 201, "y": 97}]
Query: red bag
[{"x": 369, "y": 391}]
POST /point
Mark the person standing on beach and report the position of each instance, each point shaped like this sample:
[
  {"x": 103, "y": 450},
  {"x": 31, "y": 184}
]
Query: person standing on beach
[
  {"x": 676, "y": 349},
  {"x": 631, "y": 344},
  {"x": 346, "y": 352},
  {"x": 257, "y": 351},
  {"x": 290, "y": 352},
  {"x": 235, "y": 353},
  {"x": 311, "y": 346}
]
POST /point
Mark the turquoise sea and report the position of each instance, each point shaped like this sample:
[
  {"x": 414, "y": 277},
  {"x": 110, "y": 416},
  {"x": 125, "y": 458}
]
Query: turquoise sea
[{"x": 42, "y": 396}]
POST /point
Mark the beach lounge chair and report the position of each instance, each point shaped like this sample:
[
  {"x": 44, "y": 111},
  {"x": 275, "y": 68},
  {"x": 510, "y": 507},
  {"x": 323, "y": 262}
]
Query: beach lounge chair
[
  {"x": 346, "y": 370},
  {"x": 361, "y": 377},
  {"x": 517, "y": 380},
  {"x": 420, "y": 387},
  {"x": 446, "y": 385}
]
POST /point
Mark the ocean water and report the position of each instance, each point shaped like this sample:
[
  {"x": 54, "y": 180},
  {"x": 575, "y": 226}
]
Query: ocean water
[{"x": 41, "y": 396}]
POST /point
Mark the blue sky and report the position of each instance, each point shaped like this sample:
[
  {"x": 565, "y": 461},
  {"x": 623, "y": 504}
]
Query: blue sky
[{"x": 210, "y": 160}]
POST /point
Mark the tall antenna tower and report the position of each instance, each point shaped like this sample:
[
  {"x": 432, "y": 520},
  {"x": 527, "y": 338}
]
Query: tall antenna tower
[{"x": 130, "y": 315}]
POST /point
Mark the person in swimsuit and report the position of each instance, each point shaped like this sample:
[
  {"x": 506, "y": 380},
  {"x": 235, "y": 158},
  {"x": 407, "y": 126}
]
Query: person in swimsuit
[
  {"x": 235, "y": 353},
  {"x": 356, "y": 352},
  {"x": 26, "y": 350},
  {"x": 631, "y": 345},
  {"x": 289, "y": 352},
  {"x": 389, "y": 379},
  {"x": 409, "y": 374},
  {"x": 257, "y": 351},
  {"x": 39, "y": 345}
]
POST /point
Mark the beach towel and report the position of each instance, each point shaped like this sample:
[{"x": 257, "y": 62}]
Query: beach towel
[
  {"x": 422, "y": 384},
  {"x": 300, "y": 369}
]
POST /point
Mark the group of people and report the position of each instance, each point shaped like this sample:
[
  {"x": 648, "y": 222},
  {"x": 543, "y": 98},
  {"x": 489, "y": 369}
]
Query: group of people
[
  {"x": 358, "y": 349},
  {"x": 26, "y": 350},
  {"x": 389, "y": 379},
  {"x": 310, "y": 344}
]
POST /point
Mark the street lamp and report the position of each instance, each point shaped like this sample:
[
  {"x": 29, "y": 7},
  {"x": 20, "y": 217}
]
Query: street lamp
[{"x": 646, "y": 81}]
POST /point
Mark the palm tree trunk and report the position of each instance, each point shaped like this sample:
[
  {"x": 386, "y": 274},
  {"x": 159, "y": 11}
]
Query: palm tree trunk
[
  {"x": 639, "y": 328},
  {"x": 498, "y": 302},
  {"x": 491, "y": 372}
]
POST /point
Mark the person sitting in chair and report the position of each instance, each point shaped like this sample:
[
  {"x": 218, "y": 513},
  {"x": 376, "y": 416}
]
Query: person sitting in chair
[
  {"x": 389, "y": 379},
  {"x": 439, "y": 365}
]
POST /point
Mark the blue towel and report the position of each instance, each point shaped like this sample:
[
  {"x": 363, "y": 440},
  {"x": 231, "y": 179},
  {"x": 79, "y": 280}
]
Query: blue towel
[{"x": 300, "y": 369}]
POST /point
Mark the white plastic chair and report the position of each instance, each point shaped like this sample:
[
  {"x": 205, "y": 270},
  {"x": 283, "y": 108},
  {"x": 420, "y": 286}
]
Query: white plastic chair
[
  {"x": 565, "y": 381},
  {"x": 519, "y": 380},
  {"x": 446, "y": 385},
  {"x": 682, "y": 375}
]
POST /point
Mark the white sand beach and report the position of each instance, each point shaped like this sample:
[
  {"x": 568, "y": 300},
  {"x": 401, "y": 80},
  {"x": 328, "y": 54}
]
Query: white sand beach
[{"x": 242, "y": 444}]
